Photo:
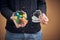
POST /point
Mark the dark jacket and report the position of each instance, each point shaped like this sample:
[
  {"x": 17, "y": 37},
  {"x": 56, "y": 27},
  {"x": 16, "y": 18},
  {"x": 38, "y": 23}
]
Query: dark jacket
[{"x": 7, "y": 7}]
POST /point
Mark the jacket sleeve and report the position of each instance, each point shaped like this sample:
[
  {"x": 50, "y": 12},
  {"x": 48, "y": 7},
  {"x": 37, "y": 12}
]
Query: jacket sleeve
[
  {"x": 5, "y": 11},
  {"x": 41, "y": 5}
]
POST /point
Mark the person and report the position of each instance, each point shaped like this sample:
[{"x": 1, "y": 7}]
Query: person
[{"x": 31, "y": 29}]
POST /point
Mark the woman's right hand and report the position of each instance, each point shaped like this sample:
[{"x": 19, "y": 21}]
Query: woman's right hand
[{"x": 18, "y": 25}]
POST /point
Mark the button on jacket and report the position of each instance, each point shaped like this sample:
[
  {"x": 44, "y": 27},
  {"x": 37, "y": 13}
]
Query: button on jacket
[{"x": 7, "y": 7}]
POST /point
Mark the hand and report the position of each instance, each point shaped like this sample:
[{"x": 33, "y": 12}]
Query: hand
[
  {"x": 22, "y": 24},
  {"x": 43, "y": 19},
  {"x": 18, "y": 25}
]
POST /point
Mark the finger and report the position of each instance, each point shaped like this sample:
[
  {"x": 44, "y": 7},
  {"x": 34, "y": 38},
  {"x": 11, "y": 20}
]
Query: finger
[
  {"x": 43, "y": 20},
  {"x": 18, "y": 25},
  {"x": 12, "y": 15},
  {"x": 24, "y": 24}
]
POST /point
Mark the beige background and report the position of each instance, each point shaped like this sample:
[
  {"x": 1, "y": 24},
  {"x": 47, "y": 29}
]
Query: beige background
[{"x": 51, "y": 31}]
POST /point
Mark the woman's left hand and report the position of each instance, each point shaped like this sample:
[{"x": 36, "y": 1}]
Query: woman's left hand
[{"x": 43, "y": 19}]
